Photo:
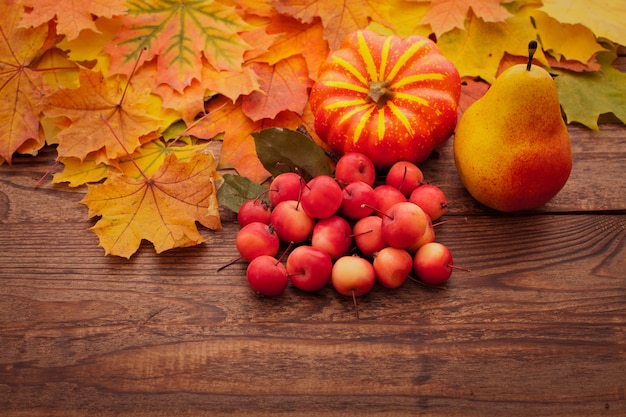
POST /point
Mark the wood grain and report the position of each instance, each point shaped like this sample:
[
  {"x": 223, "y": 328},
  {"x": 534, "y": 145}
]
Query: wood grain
[{"x": 535, "y": 328}]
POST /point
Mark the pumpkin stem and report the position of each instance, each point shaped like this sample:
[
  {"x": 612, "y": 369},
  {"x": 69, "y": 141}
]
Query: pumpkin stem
[{"x": 379, "y": 92}]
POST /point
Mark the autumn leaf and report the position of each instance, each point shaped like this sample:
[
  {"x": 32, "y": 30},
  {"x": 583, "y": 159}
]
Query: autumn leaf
[
  {"x": 178, "y": 34},
  {"x": 98, "y": 106},
  {"x": 21, "y": 86},
  {"x": 162, "y": 208},
  {"x": 585, "y": 96},
  {"x": 77, "y": 172},
  {"x": 445, "y": 15},
  {"x": 604, "y": 18},
  {"x": 475, "y": 57},
  {"x": 338, "y": 17},
  {"x": 284, "y": 86},
  {"x": 568, "y": 41},
  {"x": 71, "y": 16},
  {"x": 296, "y": 38},
  {"x": 238, "y": 148}
]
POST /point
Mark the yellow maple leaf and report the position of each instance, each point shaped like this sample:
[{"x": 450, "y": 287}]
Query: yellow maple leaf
[
  {"x": 21, "y": 87},
  {"x": 98, "y": 106},
  {"x": 474, "y": 57},
  {"x": 604, "y": 18},
  {"x": 162, "y": 209}
]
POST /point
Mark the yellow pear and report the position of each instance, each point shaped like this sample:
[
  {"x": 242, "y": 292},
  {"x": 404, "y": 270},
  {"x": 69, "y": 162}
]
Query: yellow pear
[{"x": 511, "y": 147}]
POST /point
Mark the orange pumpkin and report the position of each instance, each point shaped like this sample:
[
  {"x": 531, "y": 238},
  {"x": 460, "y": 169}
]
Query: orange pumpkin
[{"x": 388, "y": 97}]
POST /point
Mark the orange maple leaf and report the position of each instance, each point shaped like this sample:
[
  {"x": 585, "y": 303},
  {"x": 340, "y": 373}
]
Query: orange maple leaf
[
  {"x": 238, "y": 149},
  {"x": 445, "y": 15},
  {"x": 338, "y": 17},
  {"x": 162, "y": 208},
  {"x": 71, "y": 16},
  {"x": 21, "y": 86},
  {"x": 98, "y": 106},
  {"x": 178, "y": 33},
  {"x": 284, "y": 86}
]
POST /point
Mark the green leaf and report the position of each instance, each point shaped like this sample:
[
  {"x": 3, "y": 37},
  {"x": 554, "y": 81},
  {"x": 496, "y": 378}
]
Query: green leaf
[
  {"x": 585, "y": 96},
  {"x": 283, "y": 150},
  {"x": 236, "y": 190}
]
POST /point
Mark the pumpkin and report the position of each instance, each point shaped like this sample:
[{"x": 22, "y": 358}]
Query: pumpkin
[{"x": 387, "y": 97}]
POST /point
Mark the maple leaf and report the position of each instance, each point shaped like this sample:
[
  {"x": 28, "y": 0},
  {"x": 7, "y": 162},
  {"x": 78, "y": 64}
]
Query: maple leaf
[
  {"x": 293, "y": 37},
  {"x": 97, "y": 106},
  {"x": 604, "y": 18},
  {"x": 71, "y": 16},
  {"x": 474, "y": 57},
  {"x": 284, "y": 86},
  {"x": 574, "y": 42},
  {"x": 445, "y": 15},
  {"x": 162, "y": 208},
  {"x": 178, "y": 33},
  {"x": 21, "y": 86},
  {"x": 338, "y": 17},
  {"x": 585, "y": 96},
  {"x": 238, "y": 148}
]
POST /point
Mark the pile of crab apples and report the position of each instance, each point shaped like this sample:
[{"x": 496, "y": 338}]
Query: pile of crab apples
[{"x": 345, "y": 230}]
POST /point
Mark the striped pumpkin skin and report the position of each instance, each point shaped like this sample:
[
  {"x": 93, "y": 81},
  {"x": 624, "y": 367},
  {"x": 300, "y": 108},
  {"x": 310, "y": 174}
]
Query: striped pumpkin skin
[{"x": 388, "y": 97}]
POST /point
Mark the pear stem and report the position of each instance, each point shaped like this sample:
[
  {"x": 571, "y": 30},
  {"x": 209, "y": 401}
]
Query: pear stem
[{"x": 532, "y": 48}]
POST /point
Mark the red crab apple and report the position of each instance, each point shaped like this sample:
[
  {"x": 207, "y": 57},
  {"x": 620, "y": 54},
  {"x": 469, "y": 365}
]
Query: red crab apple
[
  {"x": 428, "y": 236},
  {"x": 321, "y": 197},
  {"x": 368, "y": 235},
  {"x": 353, "y": 275},
  {"x": 253, "y": 211},
  {"x": 285, "y": 186},
  {"x": 290, "y": 221},
  {"x": 404, "y": 224},
  {"x": 355, "y": 166},
  {"x": 386, "y": 196},
  {"x": 256, "y": 239},
  {"x": 309, "y": 268},
  {"x": 431, "y": 199},
  {"x": 358, "y": 200},
  {"x": 405, "y": 176},
  {"x": 392, "y": 266},
  {"x": 267, "y": 275},
  {"x": 333, "y": 235},
  {"x": 433, "y": 263}
]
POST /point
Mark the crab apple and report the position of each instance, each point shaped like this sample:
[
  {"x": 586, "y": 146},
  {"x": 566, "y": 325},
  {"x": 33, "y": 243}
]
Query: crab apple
[
  {"x": 427, "y": 237},
  {"x": 355, "y": 166},
  {"x": 290, "y": 221},
  {"x": 267, "y": 275},
  {"x": 392, "y": 266},
  {"x": 353, "y": 276},
  {"x": 386, "y": 196},
  {"x": 333, "y": 235},
  {"x": 253, "y": 211},
  {"x": 404, "y": 224},
  {"x": 285, "y": 186},
  {"x": 256, "y": 239},
  {"x": 431, "y": 199},
  {"x": 309, "y": 268},
  {"x": 321, "y": 197},
  {"x": 368, "y": 236},
  {"x": 405, "y": 176},
  {"x": 433, "y": 263},
  {"x": 358, "y": 200}
]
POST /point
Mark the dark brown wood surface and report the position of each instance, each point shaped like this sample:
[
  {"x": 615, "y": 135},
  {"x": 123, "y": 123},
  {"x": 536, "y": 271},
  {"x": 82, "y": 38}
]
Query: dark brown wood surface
[{"x": 536, "y": 328}]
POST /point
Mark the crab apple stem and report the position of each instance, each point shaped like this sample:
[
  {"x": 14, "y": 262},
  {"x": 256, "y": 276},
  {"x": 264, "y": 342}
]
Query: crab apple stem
[
  {"x": 376, "y": 210},
  {"x": 460, "y": 268},
  {"x": 282, "y": 255},
  {"x": 232, "y": 262},
  {"x": 356, "y": 305}
]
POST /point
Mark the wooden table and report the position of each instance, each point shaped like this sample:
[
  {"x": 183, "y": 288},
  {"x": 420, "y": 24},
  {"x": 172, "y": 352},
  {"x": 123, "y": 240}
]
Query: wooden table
[{"x": 536, "y": 328}]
